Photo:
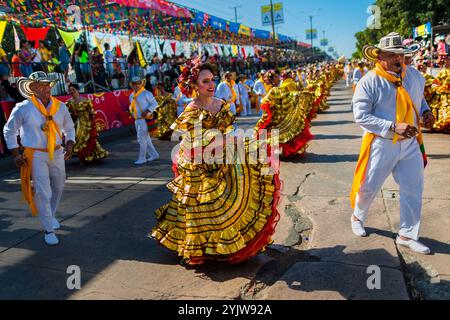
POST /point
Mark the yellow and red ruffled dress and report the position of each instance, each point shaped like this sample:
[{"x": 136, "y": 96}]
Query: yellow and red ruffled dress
[
  {"x": 166, "y": 115},
  {"x": 440, "y": 101},
  {"x": 224, "y": 212},
  {"x": 87, "y": 148},
  {"x": 287, "y": 109}
]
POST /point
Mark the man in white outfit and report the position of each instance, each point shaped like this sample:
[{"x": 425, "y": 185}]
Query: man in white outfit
[
  {"x": 41, "y": 120},
  {"x": 244, "y": 96},
  {"x": 348, "y": 74},
  {"x": 228, "y": 90},
  {"x": 388, "y": 104},
  {"x": 142, "y": 106},
  {"x": 358, "y": 73},
  {"x": 260, "y": 90}
]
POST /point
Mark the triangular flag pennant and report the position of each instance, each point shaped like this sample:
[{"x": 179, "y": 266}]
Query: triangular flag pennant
[
  {"x": 141, "y": 57},
  {"x": 35, "y": 34},
  {"x": 161, "y": 46},
  {"x": 2, "y": 30},
  {"x": 70, "y": 38},
  {"x": 234, "y": 50},
  {"x": 174, "y": 47},
  {"x": 118, "y": 51},
  {"x": 96, "y": 43},
  {"x": 16, "y": 39},
  {"x": 243, "y": 53}
]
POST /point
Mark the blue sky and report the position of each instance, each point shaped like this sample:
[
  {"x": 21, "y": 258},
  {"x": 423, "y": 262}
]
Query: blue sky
[{"x": 340, "y": 19}]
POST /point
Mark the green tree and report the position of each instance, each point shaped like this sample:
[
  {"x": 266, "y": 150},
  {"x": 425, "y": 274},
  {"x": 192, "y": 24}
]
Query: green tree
[{"x": 402, "y": 16}]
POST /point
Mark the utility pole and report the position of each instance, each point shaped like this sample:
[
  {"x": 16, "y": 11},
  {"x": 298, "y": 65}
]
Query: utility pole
[
  {"x": 311, "y": 31},
  {"x": 236, "y": 13},
  {"x": 273, "y": 32}
]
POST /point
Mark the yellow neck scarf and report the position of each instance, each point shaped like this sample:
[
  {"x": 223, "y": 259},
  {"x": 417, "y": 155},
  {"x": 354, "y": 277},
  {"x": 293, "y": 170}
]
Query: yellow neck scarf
[
  {"x": 405, "y": 113},
  {"x": 233, "y": 92},
  {"x": 50, "y": 127},
  {"x": 133, "y": 109},
  {"x": 405, "y": 106}
]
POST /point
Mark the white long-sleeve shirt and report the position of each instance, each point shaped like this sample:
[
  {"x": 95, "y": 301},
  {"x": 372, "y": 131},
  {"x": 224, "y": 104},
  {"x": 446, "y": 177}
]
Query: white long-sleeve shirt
[
  {"x": 27, "y": 121},
  {"x": 375, "y": 101},
  {"x": 223, "y": 92},
  {"x": 145, "y": 102},
  {"x": 243, "y": 91}
]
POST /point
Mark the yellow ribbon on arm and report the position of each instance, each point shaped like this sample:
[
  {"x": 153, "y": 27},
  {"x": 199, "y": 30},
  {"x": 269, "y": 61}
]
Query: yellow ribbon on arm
[
  {"x": 133, "y": 109},
  {"x": 405, "y": 111},
  {"x": 50, "y": 127}
]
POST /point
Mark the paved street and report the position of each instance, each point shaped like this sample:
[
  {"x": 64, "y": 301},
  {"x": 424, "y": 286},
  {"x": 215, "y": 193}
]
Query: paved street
[{"x": 107, "y": 212}]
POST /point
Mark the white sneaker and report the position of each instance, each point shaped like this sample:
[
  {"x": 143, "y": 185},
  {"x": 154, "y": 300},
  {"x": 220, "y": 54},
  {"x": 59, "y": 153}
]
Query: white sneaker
[
  {"x": 152, "y": 158},
  {"x": 358, "y": 228},
  {"x": 415, "y": 246},
  {"x": 55, "y": 224},
  {"x": 140, "y": 162},
  {"x": 51, "y": 239}
]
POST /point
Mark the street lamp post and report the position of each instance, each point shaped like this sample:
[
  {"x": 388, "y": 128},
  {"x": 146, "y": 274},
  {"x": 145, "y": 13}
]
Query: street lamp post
[
  {"x": 273, "y": 33},
  {"x": 311, "y": 28},
  {"x": 311, "y": 33}
]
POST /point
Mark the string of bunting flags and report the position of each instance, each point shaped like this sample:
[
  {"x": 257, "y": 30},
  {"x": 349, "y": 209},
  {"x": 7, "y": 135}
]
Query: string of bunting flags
[{"x": 136, "y": 17}]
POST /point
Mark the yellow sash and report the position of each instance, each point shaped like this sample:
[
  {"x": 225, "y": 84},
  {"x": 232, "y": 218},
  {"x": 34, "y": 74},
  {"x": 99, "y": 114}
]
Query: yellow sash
[
  {"x": 25, "y": 177},
  {"x": 405, "y": 111},
  {"x": 133, "y": 109},
  {"x": 233, "y": 92}
]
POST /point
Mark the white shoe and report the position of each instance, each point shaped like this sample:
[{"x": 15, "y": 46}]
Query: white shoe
[
  {"x": 415, "y": 246},
  {"x": 51, "y": 239},
  {"x": 152, "y": 159},
  {"x": 140, "y": 162},
  {"x": 358, "y": 228},
  {"x": 55, "y": 224}
]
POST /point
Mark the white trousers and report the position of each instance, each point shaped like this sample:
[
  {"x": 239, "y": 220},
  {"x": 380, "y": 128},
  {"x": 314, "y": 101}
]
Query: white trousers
[
  {"x": 48, "y": 179},
  {"x": 348, "y": 79},
  {"x": 144, "y": 140},
  {"x": 246, "y": 105},
  {"x": 233, "y": 108},
  {"x": 404, "y": 160}
]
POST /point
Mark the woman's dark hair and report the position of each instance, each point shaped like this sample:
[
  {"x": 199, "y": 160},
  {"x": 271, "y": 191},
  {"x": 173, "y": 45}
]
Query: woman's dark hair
[
  {"x": 75, "y": 86},
  {"x": 207, "y": 66}
]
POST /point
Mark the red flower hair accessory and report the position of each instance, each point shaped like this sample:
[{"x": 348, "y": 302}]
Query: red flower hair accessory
[{"x": 189, "y": 76}]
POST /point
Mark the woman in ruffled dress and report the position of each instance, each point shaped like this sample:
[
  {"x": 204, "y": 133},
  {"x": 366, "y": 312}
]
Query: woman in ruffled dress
[
  {"x": 87, "y": 147},
  {"x": 220, "y": 210},
  {"x": 286, "y": 109}
]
